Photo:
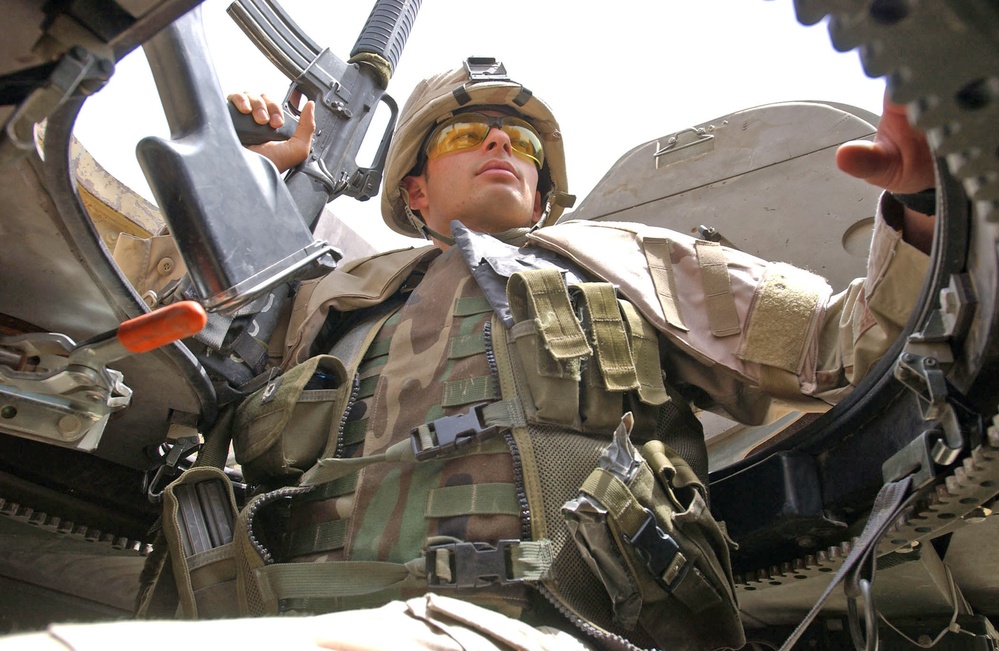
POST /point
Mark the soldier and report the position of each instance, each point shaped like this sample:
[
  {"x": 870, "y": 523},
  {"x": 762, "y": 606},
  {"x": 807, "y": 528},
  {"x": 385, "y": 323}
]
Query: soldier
[
  {"x": 486, "y": 446},
  {"x": 480, "y": 383}
]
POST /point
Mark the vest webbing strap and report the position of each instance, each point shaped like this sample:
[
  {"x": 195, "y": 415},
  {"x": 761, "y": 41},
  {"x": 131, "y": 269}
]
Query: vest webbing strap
[
  {"x": 378, "y": 349},
  {"x": 512, "y": 561},
  {"x": 467, "y": 345},
  {"x": 353, "y": 431},
  {"x": 615, "y": 495},
  {"x": 610, "y": 340},
  {"x": 339, "y": 579},
  {"x": 472, "y": 499},
  {"x": 367, "y": 388},
  {"x": 645, "y": 351},
  {"x": 331, "y": 468},
  {"x": 663, "y": 460},
  {"x": 661, "y": 269},
  {"x": 723, "y": 318},
  {"x": 541, "y": 295},
  {"x": 528, "y": 561},
  {"x": 503, "y": 414},
  {"x": 471, "y": 306},
  {"x": 692, "y": 589},
  {"x": 476, "y": 389},
  {"x": 322, "y": 537},
  {"x": 336, "y": 488}
]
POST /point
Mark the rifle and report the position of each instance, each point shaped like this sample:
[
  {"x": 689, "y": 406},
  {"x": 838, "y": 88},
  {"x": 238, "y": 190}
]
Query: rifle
[{"x": 346, "y": 95}]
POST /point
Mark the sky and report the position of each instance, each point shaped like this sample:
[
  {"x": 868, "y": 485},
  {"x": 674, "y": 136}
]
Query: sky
[{"x": 615, "y": 74}]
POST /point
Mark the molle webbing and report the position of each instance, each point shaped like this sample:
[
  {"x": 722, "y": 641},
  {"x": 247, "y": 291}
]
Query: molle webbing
[
  {"x": 465, "y": 499},
  {"x": 657, "y": 254},
  {"x": 541, "y": 295},
  {"x": 611, "y": 347},
  {"x": 581, "y": 351},
  {"x": 718, "y": 298},
  {"x": 339, "y": 576},
  {"x": 645, "y": 351}
]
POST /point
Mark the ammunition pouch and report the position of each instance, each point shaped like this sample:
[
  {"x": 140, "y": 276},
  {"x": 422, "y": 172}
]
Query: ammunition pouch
[
  {"x": 581, "y": 351},
  {"x": 663, "y": 560},
  {"x": 282, "y": 429},
  {"x": 198, "y": 519}
]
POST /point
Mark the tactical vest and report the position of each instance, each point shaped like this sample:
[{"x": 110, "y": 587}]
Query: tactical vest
[{"x": 538, "y": 469}]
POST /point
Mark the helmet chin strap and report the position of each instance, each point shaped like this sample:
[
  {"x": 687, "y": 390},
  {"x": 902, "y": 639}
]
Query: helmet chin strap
[
  {"x": 417, "y": 223},
  {"x": 515, "y": 236}
]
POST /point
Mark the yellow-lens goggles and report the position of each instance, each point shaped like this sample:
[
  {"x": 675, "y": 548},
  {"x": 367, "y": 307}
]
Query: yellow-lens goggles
[{"x": 468, "y": 130}]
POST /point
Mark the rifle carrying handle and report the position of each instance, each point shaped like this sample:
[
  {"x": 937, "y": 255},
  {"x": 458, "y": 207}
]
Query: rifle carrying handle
[
  {"x": 251, "y": 133},
  {"x": 387, "y": 29}
]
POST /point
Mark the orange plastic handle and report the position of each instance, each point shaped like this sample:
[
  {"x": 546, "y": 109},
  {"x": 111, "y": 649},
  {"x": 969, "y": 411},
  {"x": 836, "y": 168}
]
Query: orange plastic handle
[{"x": 162, "y": 326}]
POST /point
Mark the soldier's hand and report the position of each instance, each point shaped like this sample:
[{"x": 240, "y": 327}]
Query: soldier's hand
[
  {"x": 899, "y": 159},
  {"x": 284, "y": 154}
]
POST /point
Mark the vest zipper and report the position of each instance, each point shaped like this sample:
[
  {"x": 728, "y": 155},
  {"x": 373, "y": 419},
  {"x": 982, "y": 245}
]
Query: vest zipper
[
  {"x": 256, "y": 504},
  {"x": 518, "y": 471},
  {"x": 355, "y": 388},
  {"x": 612, "y": 640}
]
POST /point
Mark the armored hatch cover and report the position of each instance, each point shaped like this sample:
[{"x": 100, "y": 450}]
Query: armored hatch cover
[{"x": 764, "y": 179}]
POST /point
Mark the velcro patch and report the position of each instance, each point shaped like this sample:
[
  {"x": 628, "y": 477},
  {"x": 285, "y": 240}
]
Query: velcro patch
[{"x": 781, "y": 317}]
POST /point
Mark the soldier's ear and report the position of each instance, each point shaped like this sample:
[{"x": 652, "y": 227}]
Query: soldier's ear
[
  {"x": 536, "y": 214},
  {"x": 416, "y": 190}
]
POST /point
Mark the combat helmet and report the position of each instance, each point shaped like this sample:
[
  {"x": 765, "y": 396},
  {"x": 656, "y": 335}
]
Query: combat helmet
[{"x": 482, "y": 81}]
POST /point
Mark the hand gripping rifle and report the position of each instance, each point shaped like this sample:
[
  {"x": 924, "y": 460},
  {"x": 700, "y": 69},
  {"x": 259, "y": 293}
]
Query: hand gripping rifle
[{"x": 346, "y": 95}]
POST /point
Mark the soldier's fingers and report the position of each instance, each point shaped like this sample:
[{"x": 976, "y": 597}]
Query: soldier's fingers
[
  {"x": 240, "y": 101},
  {"x": 258, "y": 108},
  {"x": 307, "y": 122},
  {"x": 865, "y": 160},
  {"x": 274, "y": 111}
]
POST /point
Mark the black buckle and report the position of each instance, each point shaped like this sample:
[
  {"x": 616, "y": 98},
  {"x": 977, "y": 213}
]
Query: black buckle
[
  {"x": 660, "y": 552},
  {"x": 473, "y": 565},
  {"x": 452, "y": 431},
  {"x": 171, "y": 466}
]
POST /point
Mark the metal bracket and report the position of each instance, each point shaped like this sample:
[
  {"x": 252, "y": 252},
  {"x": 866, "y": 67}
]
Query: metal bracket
[
  {"x": 58, "y": 392},
  {"x": 914, "y": 459},
  {"x": 78, "y": 71},
  {"x": 924, "y": 375},
  {"x": 957, "y": 302},
  {"x": 675, "y": 143},
  {"x": 171, "y": 468},
  {"x": 485, "y": 69}
]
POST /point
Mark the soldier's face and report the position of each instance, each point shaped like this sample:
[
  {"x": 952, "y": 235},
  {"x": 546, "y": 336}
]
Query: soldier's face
[{"x": 487, "y": 188}]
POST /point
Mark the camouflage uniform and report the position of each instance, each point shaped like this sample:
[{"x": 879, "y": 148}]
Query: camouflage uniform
[
  {"x": 432, "y": 356},
  {"x": 539, "y": 509}
]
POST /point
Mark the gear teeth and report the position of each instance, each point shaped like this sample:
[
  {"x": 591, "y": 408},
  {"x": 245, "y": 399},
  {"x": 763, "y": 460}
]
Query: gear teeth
[
  {"x": 941, "y": 59},
  {"x": 68, "y": 528}
]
